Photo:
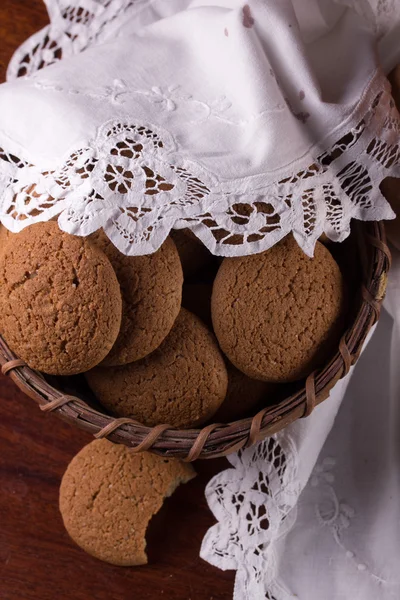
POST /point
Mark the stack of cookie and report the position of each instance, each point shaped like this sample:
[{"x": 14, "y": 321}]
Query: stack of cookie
[{"x": 72, "y": 305}]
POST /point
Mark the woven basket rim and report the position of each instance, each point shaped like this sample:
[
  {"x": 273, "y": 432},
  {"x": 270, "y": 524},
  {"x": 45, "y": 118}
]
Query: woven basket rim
[{"x": 217, "y": 440}]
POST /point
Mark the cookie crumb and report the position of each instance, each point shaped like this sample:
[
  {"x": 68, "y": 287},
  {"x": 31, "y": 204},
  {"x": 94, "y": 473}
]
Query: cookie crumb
[{"x": 248, "y": 20}]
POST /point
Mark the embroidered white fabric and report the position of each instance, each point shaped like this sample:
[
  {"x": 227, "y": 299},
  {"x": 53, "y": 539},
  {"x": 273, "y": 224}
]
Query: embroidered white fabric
[
  {"x": 70, "y": 146},
  {"x": 178, "y": 139},
  {"x": 313, "y": 512},
  {"x": 345, "y": 543},
  {"x": 255, "y": 503}
]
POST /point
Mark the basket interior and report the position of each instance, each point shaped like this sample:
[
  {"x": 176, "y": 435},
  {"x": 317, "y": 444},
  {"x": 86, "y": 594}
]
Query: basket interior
[{"x": 363, "y": 259}]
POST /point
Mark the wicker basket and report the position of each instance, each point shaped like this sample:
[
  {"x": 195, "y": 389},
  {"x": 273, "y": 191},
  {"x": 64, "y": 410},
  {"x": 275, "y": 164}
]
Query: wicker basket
[{"x": 219, "y": 440}]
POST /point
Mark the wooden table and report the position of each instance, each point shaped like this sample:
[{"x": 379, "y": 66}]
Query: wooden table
[{"x": 37, "y": 559}]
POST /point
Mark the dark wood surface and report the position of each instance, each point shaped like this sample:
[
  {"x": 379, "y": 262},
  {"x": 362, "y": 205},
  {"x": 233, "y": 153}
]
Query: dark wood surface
[{"x": 37, "y": 559}]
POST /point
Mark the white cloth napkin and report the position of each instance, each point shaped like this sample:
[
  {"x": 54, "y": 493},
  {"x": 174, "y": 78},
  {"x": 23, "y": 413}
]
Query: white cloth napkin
[
  {"x": 348, "y": 522},
  {"x": 247, "y": 121},
  {"x": 241, "y": 121}
]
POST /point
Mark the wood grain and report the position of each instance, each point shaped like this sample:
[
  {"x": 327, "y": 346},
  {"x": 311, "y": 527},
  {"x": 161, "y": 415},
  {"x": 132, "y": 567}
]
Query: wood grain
[{"x": 37, "y": 559}]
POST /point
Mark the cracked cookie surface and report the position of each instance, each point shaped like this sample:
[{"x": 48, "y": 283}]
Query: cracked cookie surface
[
  {"x": 182, "y": 383},
  {"x": 151, "y": 288},
  {"x": 108, "y": 495},
  {"x": 278, "y": 314},
  {"x": 243, "y": 397},
  {"x": 60, "y": 302}
]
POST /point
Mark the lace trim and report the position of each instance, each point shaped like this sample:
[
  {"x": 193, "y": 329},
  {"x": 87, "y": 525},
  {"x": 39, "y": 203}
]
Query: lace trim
[
  {"x": 135, "y": 183},
  {"x": 77, "y": 24},
  {"x": 158, "y": 187},
  {"x": 254, "y": 504},
  {"x": 74, "y": 27}
]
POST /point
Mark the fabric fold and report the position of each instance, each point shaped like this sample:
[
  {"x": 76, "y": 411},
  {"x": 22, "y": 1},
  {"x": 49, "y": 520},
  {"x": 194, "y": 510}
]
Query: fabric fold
[{"x": 241, "y": 122}]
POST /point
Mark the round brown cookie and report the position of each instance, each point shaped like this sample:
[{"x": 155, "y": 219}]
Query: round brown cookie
[
  {"x": 277, "y": 314},
  {"x": 108, "y": 495},
  {"x": 390, "y": 188},
  {"x": 192, "y": 252},
  {"x": 5, "y": 236},
  {"x": 244, "y": 396},
  {"x": 151, "y": 288},
  {"x": 182, "y": 383},
  {"x": 60, "y": 303}
]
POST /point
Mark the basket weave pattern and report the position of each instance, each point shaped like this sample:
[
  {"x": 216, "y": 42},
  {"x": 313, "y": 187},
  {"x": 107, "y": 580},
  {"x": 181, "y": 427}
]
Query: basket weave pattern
[{"x": 221, "y": 439}]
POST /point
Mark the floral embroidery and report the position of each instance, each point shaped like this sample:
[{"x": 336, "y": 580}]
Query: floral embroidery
[
  {"x": 135, "y": 182},
  {"x": 138, "y": 195},
  {"x": 336, "y": 514},
  {"x": 74, "y": 27}
]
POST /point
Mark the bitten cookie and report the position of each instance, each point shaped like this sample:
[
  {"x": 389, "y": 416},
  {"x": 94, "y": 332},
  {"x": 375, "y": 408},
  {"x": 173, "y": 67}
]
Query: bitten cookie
[
  {"x": 151, "y": 288},
  {"x": 182, "y": 383},
  {"x": 277, "y": 314},
  {"x": 108, "y": 496},
  {"x": 192, "y": 252},
  {"x": 60, "y": 303},
  {"x": 244, "y": 396}
]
